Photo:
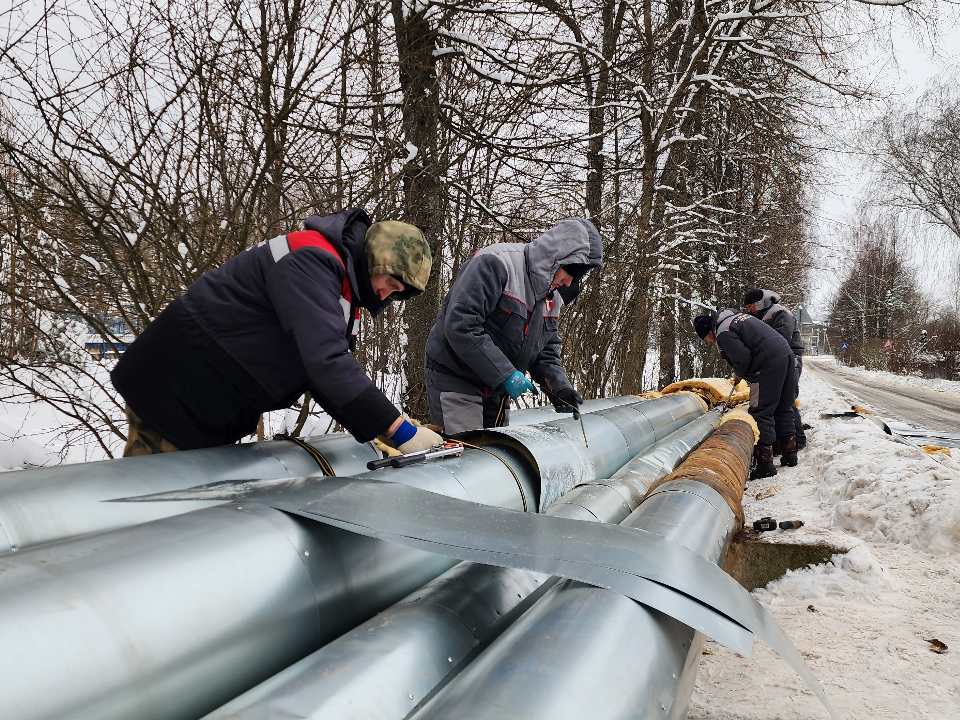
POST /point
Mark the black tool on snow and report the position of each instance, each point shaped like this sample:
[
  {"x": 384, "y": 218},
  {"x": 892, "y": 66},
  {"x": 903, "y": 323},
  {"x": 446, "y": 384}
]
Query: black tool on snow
[
  {"x": 763, "y": 524},
  {"x": 791, "y": 524}
]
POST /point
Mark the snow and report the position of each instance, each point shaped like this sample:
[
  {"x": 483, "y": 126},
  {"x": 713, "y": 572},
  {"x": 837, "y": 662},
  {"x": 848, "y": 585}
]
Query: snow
[
  {"x": 863, "y": 620},
  {"x": 914, "y": 381},
  {"x": 17, "y": 451}
]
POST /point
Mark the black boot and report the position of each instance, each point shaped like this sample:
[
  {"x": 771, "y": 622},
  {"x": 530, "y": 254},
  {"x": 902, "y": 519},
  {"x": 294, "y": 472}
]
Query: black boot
[
  {"x": 764, "y": 459},
  {"x": 777, "y": 451},
  {"x": 789, "y": 446}
]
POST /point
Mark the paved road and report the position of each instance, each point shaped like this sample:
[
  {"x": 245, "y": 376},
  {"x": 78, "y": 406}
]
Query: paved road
[{"x": 920, "y": 408}]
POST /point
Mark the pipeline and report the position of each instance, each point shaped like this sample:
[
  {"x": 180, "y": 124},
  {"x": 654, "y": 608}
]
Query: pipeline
[
  {"x": 172, "y": 618},
  {"x": 48, "y": 504},
  {"x": 583, "y": 651},
  {"x": 385, "y": 668},
  {"x": 546, "y": 413}
]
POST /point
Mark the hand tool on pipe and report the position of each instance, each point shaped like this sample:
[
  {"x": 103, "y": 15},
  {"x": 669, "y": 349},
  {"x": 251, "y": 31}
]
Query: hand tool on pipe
[
  {"x": 733, "y": 387},
  {"x": 447, "y": 449},
  {"x": 577, "y": 415}
]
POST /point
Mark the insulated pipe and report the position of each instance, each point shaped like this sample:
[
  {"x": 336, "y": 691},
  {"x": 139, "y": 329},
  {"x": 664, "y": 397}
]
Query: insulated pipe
[
  {"x": 172, "y": 618},
  {"x": 48, "y": 504},
  {"x": 581, "y": 651},
  {"x": 385, "y": 668},
  {"x": 546, "y": 413},
  {"x": 564, "y": 458}
]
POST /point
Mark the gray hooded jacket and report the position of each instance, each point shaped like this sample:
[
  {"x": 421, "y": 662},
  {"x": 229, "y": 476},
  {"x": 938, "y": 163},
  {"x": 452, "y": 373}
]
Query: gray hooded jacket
[
  {"x": 780, "y": 319},
  {"x": 501, "y": 316}
]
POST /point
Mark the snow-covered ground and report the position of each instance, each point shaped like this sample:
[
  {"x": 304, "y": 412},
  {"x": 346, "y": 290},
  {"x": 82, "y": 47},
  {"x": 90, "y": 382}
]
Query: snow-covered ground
[
  {"x": 915, "y": 381},
  {"x": 862, "y": 621}
]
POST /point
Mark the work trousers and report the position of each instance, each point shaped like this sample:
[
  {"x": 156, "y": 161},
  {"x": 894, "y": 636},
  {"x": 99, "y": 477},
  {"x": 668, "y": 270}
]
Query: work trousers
[
  {"x": 797, "y": 421},
  {"x": 142, "y": 440},
  {"x": 457, "y": 405},
  {"x": 772, "y": 395}
]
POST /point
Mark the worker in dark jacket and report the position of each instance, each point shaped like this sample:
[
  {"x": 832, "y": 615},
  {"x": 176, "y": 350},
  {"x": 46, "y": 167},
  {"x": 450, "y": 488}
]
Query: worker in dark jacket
[
  {"x": 499, "y": 320},
  {"x": 761, "y": 356},
  {"x": 268, "y": 325},
  {"x": 765, "y": 305}
]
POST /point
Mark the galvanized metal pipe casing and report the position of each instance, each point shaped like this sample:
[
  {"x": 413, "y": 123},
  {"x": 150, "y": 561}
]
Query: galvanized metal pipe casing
[
  {"x": 615, "y": 435},
  {"x": 128, "y": 590},
  {"x": 49, "y": 504},
  {"x": 117, "y": 576},
  {"x": 385, "y": 668},
  {"x": 529, "y": 416},
  {"x": 172, "y": 618},
  {"x": 583, "y": 651}
]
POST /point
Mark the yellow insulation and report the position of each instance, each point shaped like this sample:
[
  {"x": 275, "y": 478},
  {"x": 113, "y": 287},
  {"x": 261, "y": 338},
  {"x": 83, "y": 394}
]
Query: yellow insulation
[
  {"x": 713, "y": 390},
  {"x": 722, "y": 462},
  {"x": 936, "y": 449},
  {"x": 649, "y": 395},
  {"x": 742, "y": 414}
]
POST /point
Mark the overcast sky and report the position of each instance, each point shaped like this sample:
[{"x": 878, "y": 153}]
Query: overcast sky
[{"x": 845, "y": 178}]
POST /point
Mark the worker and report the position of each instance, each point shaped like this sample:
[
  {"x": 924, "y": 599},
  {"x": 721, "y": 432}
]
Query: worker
[
  {"x": 761, "y": 356},
  {"x": 499, "y": 320},
  {"x": 765, "y": 305},
  {"x": 268, "y": 325}
]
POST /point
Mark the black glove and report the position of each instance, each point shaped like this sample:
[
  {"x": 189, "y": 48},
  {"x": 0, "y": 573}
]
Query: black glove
[{"x": 567, "y": 400}]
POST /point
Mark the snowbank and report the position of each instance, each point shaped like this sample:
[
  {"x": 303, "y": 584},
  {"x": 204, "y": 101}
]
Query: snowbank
[
  {"x": 863, "y": 620},
  {"x": 17, "y": 453},
  {"x": 880, "y": 489}
]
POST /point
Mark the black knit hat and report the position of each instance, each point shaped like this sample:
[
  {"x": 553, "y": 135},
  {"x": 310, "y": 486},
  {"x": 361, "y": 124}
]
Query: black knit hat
[
  {"x": 703, "y": 324},
  {"x": 752, "y": 296},
  {"x": 577, "y": 270}
]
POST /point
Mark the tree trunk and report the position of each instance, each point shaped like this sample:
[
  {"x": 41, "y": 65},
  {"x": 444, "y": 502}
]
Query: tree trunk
[{"x": 423, "y": 191}]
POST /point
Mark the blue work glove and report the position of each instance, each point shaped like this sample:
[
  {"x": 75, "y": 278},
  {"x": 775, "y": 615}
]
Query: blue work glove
[{"x": 517, "y": 384}]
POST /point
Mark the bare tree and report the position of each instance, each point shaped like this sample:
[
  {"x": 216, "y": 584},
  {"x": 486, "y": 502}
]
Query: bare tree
[
  {"x": 879, "y": 298},
  {"x": 918, "y": 154}
]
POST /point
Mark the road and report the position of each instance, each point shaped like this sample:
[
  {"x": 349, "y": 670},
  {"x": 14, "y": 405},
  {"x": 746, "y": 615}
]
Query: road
[{"x": 920, "y": 408}]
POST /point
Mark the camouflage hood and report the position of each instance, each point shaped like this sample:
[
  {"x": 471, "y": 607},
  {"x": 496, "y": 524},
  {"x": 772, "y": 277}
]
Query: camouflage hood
[{"x": 396, "y": 248}]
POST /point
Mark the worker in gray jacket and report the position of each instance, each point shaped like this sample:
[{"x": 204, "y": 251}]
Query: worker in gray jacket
[
  {"x": 765, "y": 305},
  {"x": 500, "y": 320}
]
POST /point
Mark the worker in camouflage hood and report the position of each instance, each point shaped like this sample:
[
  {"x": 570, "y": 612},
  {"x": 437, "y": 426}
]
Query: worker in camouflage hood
[
  {"x": 499, "y": 321},
  {"x": 759, "y": 355},
  {"x": 765, "y": 305},
  {"x": 268, "y": 325}
]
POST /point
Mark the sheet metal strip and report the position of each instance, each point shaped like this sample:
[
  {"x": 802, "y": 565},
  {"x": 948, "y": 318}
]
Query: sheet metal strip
[{"x": 641, "y": 565}]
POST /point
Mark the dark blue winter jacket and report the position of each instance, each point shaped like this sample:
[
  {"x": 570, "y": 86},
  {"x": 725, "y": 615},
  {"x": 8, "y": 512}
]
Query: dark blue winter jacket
[
  {"x": 255, "y": 334},
  {"x": 748, "y": 344}
]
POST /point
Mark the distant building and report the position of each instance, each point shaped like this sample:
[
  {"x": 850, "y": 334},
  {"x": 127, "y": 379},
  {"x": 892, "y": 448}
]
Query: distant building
[
  {"x": 813, "y": 334},
  {"x": 102, "y": 349}
]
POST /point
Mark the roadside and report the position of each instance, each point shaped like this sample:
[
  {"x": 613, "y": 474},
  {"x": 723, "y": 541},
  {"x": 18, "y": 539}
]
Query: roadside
[
  {"x": 863, "y": 620},
  {"x": 913, "y": 404}
]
